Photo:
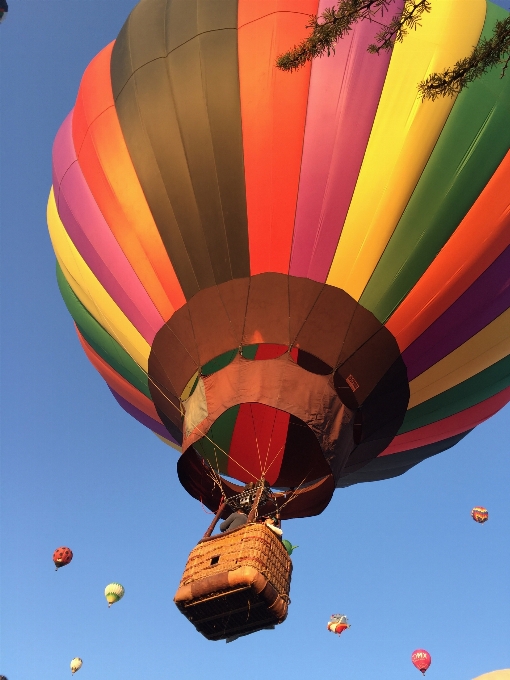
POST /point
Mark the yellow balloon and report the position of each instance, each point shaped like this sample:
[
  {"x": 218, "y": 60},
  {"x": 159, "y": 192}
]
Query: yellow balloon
[{"x": 495, "y": 675}]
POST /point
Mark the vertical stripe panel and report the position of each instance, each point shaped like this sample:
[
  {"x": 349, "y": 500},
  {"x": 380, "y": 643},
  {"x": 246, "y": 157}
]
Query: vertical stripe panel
[
  {"x": 273, "y": 107},
  {"x": 345, "y": 88},
  {"x": 110, "y": 176},
  {"x": 403, "y": 137},
  {"x": 94, "y": 241},
  {"x": 472, "y": 145},
  {"x": 477, "y": 242}
]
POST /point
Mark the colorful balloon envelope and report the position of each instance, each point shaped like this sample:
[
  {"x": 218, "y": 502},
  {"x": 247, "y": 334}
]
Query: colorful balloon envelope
[
  {"x": 480, "y": 514},
  {"x": 76, "y": 664},
  {"x": 301, "y": 276},
  {"x": 62, "y": 556},
  {"x": 338, "y": 623},
  {"x": 421, "y": 660},
  {"x": 113, "y": 593}
]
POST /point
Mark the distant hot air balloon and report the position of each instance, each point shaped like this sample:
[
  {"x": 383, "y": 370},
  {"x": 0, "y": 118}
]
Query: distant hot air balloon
[
  {"x": 279, "y": 286},
  {"x": 76, "y": 664},
  {"x": 113, "y": 593},
  {"x": 62, "y": 556},
  {"x": 421, "y": 660},
  {"x": 4, "y": 8},
  {"x": 338, "y": 623},
  {"x": 480, "y": 514}
]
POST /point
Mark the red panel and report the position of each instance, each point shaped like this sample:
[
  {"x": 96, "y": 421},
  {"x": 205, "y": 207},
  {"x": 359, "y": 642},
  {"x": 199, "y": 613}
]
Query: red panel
[
  {"x": 449, "y": 427},
  {"x": 118, "y": 383},
  {"x": 270, "y": 351},
  {"x": 258, "y": 443},
  {"x": 273, "y": 109}
]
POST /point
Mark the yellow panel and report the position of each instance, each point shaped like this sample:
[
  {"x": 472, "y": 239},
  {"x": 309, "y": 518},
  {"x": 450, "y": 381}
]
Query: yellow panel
[
  {"x": 91, "y": 293},
  {"x": 169, "y": 443},
  {"x": 484, "y": 349},
  {"x": 403, "y": 136}
]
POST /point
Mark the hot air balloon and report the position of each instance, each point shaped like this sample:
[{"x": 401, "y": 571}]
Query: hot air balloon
[
  {"x": 76, "y": 664},
  {"x": 299, "y": 277},
  {"x": 4, "y": 8},
  {"x": 480, "y": 514},
  {"x": 61, "y": 557},
  {"x": 421, "y": 660},
  {"x": 113, "y": 593},
  {"x": 338, "y": 623},
  {"x": 2, "y": 677},
  {"x": 495, "y": 675}
]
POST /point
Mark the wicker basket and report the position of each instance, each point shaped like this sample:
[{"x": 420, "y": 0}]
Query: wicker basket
[{"x": 236, "y": 583}]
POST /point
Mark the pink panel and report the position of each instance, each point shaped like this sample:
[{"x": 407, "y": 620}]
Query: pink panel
[
  {"x": 345, "y": 89},
  {"x": 93, "y": 239}
]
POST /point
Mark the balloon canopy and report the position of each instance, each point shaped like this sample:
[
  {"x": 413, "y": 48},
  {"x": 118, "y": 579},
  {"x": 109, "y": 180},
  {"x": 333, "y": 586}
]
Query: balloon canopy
[
  {"x": 76, "y": 664},
  {"x": 480, "y": 514},
  {"x": 495, "y": 675},
  {"x": 113, "y": 593},
  {"x": 297, "y": 276},
  {"x": 62, "y": 556},
  {"x": 421, "y": 660}
]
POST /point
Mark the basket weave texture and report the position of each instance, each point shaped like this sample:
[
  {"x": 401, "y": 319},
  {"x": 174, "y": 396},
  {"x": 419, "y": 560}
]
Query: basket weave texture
[{"x": 252, "y": 545}]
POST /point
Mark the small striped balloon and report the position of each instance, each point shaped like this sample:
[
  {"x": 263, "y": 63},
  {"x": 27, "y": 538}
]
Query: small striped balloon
[
  {"x": 480, "y": 514},
  {"x": 113, "y": 593}
]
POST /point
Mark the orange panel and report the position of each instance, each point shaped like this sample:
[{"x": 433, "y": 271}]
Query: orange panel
[
  {"x": 273, "y": 109},
  {"x": 478, "y": 240},
  {"x": 110, "y": 175},
  {"x": 118, "y": 383}
]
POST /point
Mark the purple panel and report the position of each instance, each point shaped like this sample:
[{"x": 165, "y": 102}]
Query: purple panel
[
  {"x": 143, "y": 418},
  {"x": 484, "y": 301},
  {"x": 94, "y": 240},
  {"x": 345, "y": 89}
]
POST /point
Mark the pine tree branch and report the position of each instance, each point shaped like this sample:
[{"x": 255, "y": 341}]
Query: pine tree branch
[
  {"x": 487, "y": 54},
  {"x": 335, "y": 23},
  {"x": 400, "y": 25}
]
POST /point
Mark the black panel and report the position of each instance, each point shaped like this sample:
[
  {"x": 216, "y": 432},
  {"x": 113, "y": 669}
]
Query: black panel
[
  {"x": 395, "y": 464},
  {"x": 381, "y": 416},
  {"x": 176, "y": 85}
]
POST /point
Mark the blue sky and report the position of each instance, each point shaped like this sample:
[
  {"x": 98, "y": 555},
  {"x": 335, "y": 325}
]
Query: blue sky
[{"x": 401, "y": 558}]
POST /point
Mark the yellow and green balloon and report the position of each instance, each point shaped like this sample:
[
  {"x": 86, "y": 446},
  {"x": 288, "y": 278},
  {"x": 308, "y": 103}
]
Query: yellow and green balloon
[{"x": 113, "y": 593}]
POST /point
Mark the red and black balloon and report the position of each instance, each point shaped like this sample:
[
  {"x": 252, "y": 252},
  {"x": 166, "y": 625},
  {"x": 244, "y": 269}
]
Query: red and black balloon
[{"x": 62, "y": 557}]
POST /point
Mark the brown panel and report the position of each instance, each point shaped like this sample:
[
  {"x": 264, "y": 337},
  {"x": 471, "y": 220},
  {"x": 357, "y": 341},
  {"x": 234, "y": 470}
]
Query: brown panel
[
  {"x": 176, "y": 86},
  {"x": 326, "y": 326},
  {"x": 214, "y": 334},
  {"x": 267, "y": 314},
  {"x": 174, "y": 358},
  {"x": 279, "y": 383},
  {"x": 303, "y": 294},
  {"x": 235, "y": 299},
  {"x": 367, "y": 365}
]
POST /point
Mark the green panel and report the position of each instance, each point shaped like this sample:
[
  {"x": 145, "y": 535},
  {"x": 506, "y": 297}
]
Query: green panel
[
  {"x": 473, "y": 142},
  {"x": 221, "y": 433},
  {"x": 480, "y": 387},
  {"x": 101, "y": 341},
  {"x": 218, "y": 363},
  {"x": 249, "y": 351}
]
